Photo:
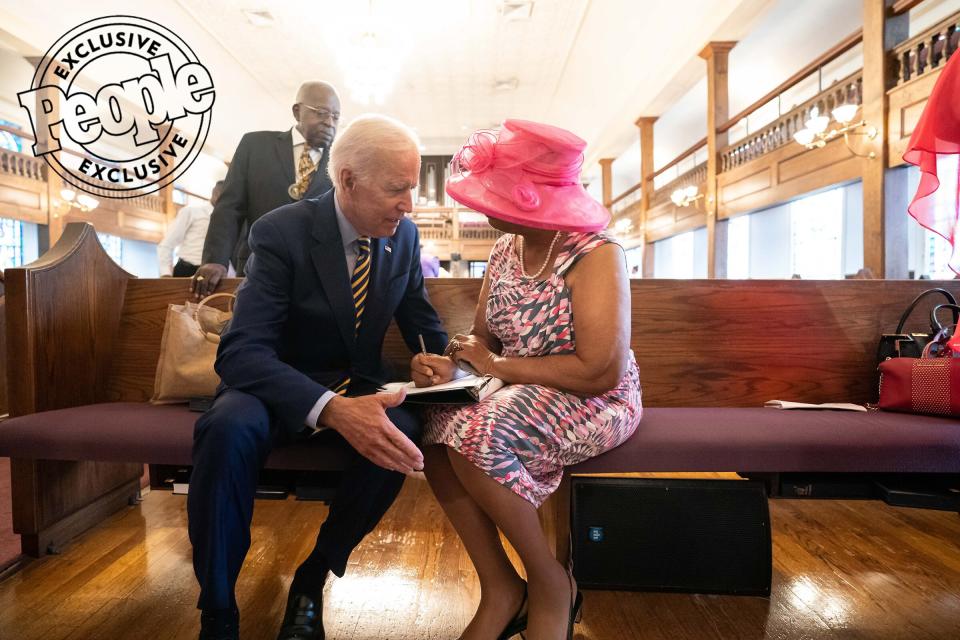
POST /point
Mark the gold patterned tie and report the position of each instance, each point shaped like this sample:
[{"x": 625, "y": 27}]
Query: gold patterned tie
[
  {"x": 358, "y": 286},
  {"x": 305, "y": 169}
]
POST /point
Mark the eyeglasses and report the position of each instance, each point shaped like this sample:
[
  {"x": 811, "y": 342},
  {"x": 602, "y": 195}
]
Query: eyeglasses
[{"x": 323, "y": 114}]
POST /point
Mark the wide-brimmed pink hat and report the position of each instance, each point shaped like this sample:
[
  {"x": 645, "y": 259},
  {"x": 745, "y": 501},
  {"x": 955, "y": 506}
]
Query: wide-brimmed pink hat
[{"x": 528, "y": 174}]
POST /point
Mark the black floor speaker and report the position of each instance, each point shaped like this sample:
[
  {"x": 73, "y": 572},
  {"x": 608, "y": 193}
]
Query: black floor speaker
[{"x": 691, "y": 536}]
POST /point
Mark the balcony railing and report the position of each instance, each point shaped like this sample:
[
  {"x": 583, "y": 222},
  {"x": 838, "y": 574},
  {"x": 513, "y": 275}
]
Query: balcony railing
[
  {"x": 478, "y": 231},
  {"x": 627, "y": 199},
  {"x": 780, "y": 131},
  {"x": 925, "y": 52},
  {"x": 695, "y": 176},
  {"x": 21, "y": 165},
  {"x": 448, "y": 223},
  {"x": 104, "y": 189}
]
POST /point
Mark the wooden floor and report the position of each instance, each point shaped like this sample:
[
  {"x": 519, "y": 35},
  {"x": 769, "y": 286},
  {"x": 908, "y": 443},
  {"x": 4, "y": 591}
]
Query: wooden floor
[
  {"x": 842, "y": 569},
  {"x": 9, "y": 543}
]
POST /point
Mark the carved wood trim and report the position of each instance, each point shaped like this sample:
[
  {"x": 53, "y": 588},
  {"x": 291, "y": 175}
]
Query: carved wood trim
[{"x": 784, "y": 174}]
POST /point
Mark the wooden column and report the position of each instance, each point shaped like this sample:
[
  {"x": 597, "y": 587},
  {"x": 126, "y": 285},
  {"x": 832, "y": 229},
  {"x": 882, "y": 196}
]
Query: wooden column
[
  {"x": 169, "y": 206},
  {"x": 884, "y": 237},
  {"x": 606, "y": 177},
  {"x": 649, "y": 253},
  {"x": 55, "y": 209},
  {"x": 718, "y": 111},
  {"x": 645, "y": 124}
]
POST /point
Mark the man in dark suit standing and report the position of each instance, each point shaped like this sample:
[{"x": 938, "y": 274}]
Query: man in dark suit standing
[
  {"x": 302, "y": 357},
  {"x": 269, "y": 169}
]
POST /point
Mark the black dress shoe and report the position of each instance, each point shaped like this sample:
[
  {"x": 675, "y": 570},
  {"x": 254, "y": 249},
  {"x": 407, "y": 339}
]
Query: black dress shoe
[
  {"x": 303, "y": 619},
  {"x": 220, "y": 624}
]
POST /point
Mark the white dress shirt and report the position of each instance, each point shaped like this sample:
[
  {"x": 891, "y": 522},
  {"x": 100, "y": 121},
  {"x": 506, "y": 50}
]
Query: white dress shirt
[
  {"x": 351, "y": 251},
  {"x": 186, "y": 234}
]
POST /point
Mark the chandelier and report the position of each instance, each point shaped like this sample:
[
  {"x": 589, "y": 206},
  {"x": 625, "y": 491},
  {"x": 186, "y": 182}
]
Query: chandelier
[{"x": 371, "y": 49}]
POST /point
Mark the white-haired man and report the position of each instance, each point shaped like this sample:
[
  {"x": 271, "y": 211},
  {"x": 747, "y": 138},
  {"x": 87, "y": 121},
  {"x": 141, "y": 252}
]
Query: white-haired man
[{"x": 302, "y": 355}]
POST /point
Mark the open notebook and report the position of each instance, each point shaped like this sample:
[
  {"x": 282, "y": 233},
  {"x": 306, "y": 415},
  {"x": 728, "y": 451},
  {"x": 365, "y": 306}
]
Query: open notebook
[
  {"x": 465, "y": 390},
  {"x": 786, "y": 404}
]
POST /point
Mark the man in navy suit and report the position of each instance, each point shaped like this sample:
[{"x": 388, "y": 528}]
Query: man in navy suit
[{"x": 302, "y": 357}]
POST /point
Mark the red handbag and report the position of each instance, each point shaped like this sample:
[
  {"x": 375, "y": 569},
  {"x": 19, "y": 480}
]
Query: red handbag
[
  {"x": 921, "y": 385},
  {"x": 930, "y": 383}
]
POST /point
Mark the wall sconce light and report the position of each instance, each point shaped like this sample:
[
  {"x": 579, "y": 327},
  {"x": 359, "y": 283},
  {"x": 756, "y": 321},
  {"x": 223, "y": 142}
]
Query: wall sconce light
[
  {"x": 814, "y": 135},
  {"x": 686, "y": 196},
  {"x": 623, "y": 226},
  {"x": 81, "y": 201}
]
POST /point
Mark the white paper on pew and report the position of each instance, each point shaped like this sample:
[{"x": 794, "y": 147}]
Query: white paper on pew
[
  {"x": 786, "y": 404},
  {"x": 469, "y": 388}
]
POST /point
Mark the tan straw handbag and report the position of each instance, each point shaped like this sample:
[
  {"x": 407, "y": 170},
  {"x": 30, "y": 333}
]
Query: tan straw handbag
[{"x": 191, "y": 335}]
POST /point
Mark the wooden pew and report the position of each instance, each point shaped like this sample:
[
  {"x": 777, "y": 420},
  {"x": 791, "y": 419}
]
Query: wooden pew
[{"x": 85, "y": 335}]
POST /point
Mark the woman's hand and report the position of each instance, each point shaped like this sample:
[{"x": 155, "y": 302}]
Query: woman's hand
[
  {"x": 474, "y": 352},
  {"x": 429, "y": 369}
]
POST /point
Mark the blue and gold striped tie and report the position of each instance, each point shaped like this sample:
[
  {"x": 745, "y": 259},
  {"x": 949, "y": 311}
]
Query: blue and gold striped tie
[{"x": 359, "y": 284}]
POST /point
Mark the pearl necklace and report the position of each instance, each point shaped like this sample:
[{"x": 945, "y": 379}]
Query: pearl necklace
[{"x": 546, "y": 260}]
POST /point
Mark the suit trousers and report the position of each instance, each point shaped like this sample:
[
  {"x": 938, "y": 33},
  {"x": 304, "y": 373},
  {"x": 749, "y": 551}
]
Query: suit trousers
[{"x": 231, "y": 443}]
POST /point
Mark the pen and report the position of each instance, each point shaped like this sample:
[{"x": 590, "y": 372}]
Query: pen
[{"x": 423, "y": 347}]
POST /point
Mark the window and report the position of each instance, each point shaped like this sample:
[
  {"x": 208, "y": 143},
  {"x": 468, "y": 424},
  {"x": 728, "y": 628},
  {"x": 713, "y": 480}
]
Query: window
[
  {"x": 738, "y": 248},
  {"x": 930, "y": 253},
  {"x": 8, "y": 140},
  {"x": 816, "y": 227},
  {"x": 634, "y": 262},
  {"x": 11, "y": 243},
  {"x": 816, "y": 237},
  {"x": 477, "y": 268},
  {"x": 113, "y": 245},
  {"x": 683, "y": 256}
]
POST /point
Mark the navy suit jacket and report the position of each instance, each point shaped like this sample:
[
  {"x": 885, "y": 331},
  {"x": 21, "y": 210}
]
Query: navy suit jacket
[{"x": 292, "y": 333}]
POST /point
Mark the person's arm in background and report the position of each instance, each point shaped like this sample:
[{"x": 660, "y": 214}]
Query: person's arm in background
[
  {"x": 176, "y": 232},
  {"x": 226, "y": 222}
]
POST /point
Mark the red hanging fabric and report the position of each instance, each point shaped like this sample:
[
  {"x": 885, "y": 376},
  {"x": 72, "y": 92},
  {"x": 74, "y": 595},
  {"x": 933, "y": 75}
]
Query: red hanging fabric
[{"x": 936, "y": 141}]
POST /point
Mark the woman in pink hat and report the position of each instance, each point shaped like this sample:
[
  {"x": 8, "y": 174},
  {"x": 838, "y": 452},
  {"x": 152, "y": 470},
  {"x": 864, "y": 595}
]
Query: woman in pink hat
[{"x": 553, "y": 322}]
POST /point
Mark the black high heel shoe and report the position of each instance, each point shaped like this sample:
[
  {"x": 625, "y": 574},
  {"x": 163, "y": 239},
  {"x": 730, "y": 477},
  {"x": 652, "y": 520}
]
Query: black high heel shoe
[{"x": 519, "y": 623}]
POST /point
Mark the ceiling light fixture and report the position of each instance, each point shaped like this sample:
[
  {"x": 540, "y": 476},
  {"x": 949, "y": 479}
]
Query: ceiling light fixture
[
  {"x": 516, "y": 10},
  {"x": 509, "y": 84},
  {"x": 371, "y": 55},
  {"x": 259, "y": 18},
  {"x": 814, "y": 135}
]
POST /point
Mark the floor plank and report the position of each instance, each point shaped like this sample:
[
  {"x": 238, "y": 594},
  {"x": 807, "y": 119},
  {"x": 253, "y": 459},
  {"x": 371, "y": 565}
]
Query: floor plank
[{"x": 842, "y": 570}]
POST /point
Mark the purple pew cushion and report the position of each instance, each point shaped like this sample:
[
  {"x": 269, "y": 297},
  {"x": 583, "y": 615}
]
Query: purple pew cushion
[
  {"x": 668, "y": 439},
  {"x": 769, "y": 440},
  {"x": 140, "y": 432}
]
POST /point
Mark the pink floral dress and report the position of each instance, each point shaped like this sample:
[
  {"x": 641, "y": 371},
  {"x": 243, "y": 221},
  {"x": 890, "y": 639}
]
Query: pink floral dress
[{"x": 525, "y": 434}]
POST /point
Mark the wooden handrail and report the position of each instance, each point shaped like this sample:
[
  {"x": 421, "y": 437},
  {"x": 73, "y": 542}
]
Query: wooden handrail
[
  {"x": 26, "y": 136},
  {"x": 680, "y": 158},
  {"x": 20, "y": 133},
  {"x": 626, "y": 193},
  {"x": 836, "y": 51},
  {"x": 902, "y": 6},
  {"x": 192, "y": 194}
]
